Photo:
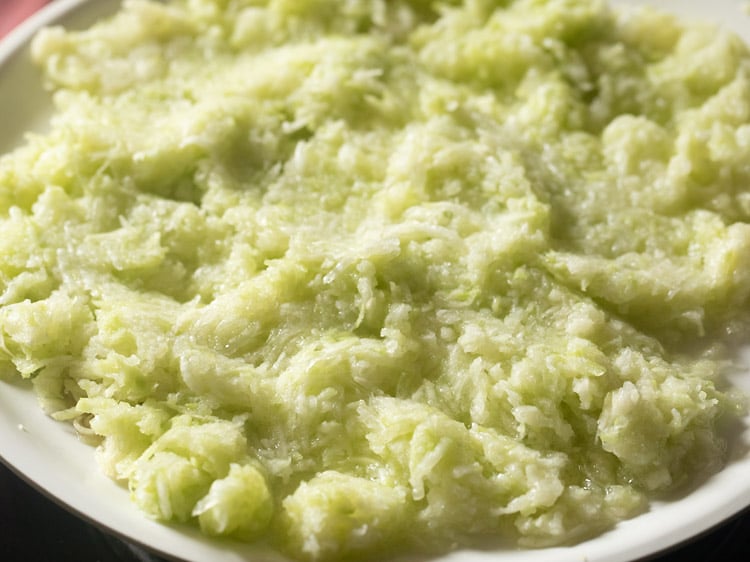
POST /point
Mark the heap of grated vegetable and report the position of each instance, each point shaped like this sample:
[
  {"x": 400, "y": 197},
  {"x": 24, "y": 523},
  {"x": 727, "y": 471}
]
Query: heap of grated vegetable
[{"x": 364, "y": 277}]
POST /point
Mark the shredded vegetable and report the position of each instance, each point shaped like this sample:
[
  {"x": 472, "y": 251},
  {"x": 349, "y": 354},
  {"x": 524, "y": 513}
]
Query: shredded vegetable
[{"x": 362, "y": 278}]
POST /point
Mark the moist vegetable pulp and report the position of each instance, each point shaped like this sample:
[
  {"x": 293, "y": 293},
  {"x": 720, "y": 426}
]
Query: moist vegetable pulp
[{"x": 355, "y": 278}]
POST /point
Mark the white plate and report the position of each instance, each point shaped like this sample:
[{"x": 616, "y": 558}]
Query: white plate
[{"x": 49, "y": 455}]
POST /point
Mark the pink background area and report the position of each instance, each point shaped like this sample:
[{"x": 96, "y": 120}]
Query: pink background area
[{"x": 13, "y": 12}]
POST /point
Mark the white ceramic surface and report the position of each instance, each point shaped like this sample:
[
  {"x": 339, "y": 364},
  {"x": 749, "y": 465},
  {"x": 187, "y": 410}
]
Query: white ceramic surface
[{"x": 49, "y": 455}]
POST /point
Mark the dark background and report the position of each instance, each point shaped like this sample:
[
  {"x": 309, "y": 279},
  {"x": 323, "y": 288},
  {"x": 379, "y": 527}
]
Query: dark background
[{"x": 35, "y": 529}]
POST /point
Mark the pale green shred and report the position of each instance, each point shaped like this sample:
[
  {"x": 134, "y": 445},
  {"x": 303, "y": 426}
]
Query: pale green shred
[{"x": 367, "y": 277}]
